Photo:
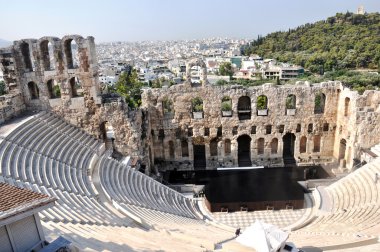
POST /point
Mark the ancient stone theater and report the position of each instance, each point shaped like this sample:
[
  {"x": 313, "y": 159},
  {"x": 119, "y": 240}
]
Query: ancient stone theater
[{"x": 112, "y": 194}]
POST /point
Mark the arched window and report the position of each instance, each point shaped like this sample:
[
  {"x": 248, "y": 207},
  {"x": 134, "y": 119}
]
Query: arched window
[
  {"x": 319, "y": 103},
  {"x": 214, "y": 147},
  {"x": 303, "y": 143},
  {"x": 244, "y": 108},
  {"x": 47, "y": 52},
  {"x": 290, "y": 104},
  {"x": 26, "y": 56},
  {"x": 167, "y": 107},
  {"x": 347, "y": 106},
  {"x": 262, "y": 102},
  {"x": 317, "y": 143},
  {"x": 197, "y": 107},
  {"x": 227, "y": 147},
  {"x": 274, "y": 145},
  {"x": 260, "y": 146},
  {"x": 33, "y": 90},
  {"x": 71, "y": 53},
  {"x": 76, "y": 87},
  {"x": 185, "y": 148},
  {"x": 171, "y": 149},
  {"x": 226, "y": 106},
  {"x": 54, "y": 90}
]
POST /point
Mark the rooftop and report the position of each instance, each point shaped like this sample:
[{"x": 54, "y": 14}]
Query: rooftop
[{"x": 14, "y": 200}]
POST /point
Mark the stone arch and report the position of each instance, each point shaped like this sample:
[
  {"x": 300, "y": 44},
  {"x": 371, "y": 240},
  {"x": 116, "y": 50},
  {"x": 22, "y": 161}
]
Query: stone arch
[
  {"x": 185, "y": 148},
  {"x": 199, "y": 151},
  {"x": 274, "y": 146},
  {"x": 214, "y": 147},
  {"x": 262, "y": 105},
  {"x": 203, "y": 73},
  {"x": 227, "y": 147},
  {"x": 317, "y": 143},
  {"x": 34, "y": 92},
  {"x": 75, "y": 87},
  {"x": 290, "y": 104},
  {"x": 260, "y": 146},
  {"x": 244, "y": 108},
  {"x": 303, "y": 144},
  {"x": 47, "y": 55},
  {"x": 171, "y": 149},
  {"x": 197, "y": 104},
  {"x": 342, "y": 149},
  {"x": 319, "y": 103},
  {"x": 244, "y": 150},
  {"x": 71, "y": 50},
  {"x": 54, "y": 91},
  {"x": 107, "y": 133},
  {"x": 25, "y": 51},
  {"x": 226, "y": 106},
  {"x": 167, "y": 106},
  {"x": 347, "y": 106},
  {"x": 291, "y": 101}
]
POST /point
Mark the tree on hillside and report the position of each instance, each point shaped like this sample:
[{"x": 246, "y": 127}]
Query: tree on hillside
[
  {"x": 2, "y": 88},
  {"x": 129, "y": 87},
  {"x": 345, "y": 41},
  {"x": 226, "y": 69}
]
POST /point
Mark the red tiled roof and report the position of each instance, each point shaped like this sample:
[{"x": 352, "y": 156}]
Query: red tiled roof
[{"x": 12, "y": 198}]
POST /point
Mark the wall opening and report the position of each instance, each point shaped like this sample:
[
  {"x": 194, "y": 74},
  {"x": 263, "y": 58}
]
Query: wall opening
[
  {"x": 347, "y": 106},
  {"x": 303, "y": 144},
  {"x": 260, "y": 146},
  {"x": 274, "y": 146},
  {"x": 288, "y": 149},
  {"x": 26, "y": 56},
  {"x": 244, "y": 151},
  {"x": 268, "y": 129},
  {"x": 107, "y": 134},
  {"x": 76, "y": 87},
  {"x": 171, "y": 150},
  {"x": 317, "y": 143},
  {"x": 244, "y": 108},
  {"x": 199, "y": 156},
  {"x": 214, "y": 147},
  {"x": 33, "y": 90},
  {"x": 342, "y": 149},
  {"x": 167, "y": 108},
  {"x": 227, "y": 147},
  {"x": 71, "y": 53},
  {"x": 290, "y": 104},
  {"x": 310, "y": 128},
  {"x": 185, "y": 148},
  {"x": 47, "y": 52},
  {"x": 53, "y": 88},
  {"x": 319, "y": 103}
]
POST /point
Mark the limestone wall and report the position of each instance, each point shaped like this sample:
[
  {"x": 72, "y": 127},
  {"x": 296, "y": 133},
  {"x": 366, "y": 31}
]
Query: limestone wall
[{"x": 176, "y": 129}]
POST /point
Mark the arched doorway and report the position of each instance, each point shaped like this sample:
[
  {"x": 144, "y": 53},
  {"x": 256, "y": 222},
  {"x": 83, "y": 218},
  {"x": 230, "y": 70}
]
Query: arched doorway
[
  {"x": 288, "y": 149},
  {"x": 199, "y": 150},
  {"x": 107, "y": 134},
  {"x": 342, "y": 149},
  {"x": 244, "y": 151}
]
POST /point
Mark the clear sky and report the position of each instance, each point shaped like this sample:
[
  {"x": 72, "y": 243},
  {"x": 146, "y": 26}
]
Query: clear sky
[{"x": 126, "y": 20}]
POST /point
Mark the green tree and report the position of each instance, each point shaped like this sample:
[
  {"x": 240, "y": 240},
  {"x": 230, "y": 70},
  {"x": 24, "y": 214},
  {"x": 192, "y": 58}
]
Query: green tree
[
  {"x": 226, "y": 69},
  {"x": 2, "y": 88},
  {"x": 129, "y": 87}
]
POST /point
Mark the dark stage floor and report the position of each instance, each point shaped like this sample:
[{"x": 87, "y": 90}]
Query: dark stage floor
[{"x": 266, "y": 184}]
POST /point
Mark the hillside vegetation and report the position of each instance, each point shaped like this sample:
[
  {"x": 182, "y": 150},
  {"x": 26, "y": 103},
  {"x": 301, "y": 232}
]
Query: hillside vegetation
[{"x": 345, "y": 41}]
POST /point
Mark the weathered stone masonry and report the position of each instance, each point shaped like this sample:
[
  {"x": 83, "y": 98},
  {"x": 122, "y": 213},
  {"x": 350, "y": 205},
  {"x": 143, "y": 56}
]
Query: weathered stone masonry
[{"x": 166, "y": 131}]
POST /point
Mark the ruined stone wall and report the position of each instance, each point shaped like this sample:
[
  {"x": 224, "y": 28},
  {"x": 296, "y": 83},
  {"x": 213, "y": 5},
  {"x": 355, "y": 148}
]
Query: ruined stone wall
[
  {"x": 168, "y": 131},
  {"x": 52, "y": 60},
  {"x": 357, "y": 124}
]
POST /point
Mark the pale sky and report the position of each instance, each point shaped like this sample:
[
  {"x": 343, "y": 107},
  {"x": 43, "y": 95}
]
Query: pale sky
[{"x": 118, "y": 20}]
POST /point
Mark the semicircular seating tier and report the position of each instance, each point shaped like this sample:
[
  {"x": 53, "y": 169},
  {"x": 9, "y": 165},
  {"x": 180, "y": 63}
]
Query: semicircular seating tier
[
  {"x": 350, "y": 207},
  {"x": 47, "y": 154}
]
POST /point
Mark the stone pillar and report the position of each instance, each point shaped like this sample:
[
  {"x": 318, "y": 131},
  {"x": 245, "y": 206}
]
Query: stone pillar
[{"x": 234, "y": 152}]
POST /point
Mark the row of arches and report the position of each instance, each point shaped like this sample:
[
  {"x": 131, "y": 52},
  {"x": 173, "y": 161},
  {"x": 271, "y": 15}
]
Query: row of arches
[
  {"x": 54, "y": 90},
  {"x": 244, "y": 148},
  {"x": 49, "y": 56},
  {"x": 244, "y": 105}
]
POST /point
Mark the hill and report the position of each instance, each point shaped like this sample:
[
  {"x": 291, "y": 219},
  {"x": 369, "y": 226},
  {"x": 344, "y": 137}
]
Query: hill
[{"x": 344, "y": 41}]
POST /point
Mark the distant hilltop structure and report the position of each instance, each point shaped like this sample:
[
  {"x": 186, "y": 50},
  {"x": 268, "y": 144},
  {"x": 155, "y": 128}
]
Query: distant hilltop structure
[{"x": 360, "y": 10}]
